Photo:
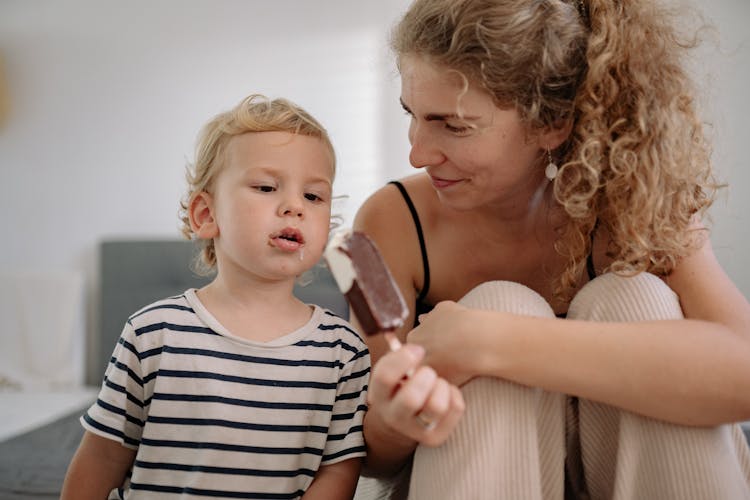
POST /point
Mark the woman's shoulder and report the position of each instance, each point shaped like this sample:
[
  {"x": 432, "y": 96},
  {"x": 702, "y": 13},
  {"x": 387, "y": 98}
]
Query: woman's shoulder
[
  {"x": 389, "y": 204},
  {"x": 385, "y": 216}
]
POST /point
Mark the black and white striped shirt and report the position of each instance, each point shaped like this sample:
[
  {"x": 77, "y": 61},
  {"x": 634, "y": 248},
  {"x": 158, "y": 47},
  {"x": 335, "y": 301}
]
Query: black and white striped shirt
[{"x": 214, "y": 415}]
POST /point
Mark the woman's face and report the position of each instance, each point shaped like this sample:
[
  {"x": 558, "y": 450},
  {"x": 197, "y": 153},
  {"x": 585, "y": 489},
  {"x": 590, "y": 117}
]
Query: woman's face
[{"x": 474, "y": 152}]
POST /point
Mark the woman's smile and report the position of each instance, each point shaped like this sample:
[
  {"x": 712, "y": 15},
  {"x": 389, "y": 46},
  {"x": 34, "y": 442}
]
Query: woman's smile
[{"x": 441, "y": 183}]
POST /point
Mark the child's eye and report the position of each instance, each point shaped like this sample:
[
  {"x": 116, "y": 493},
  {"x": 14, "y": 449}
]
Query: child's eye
[
  {"x": 312, "y": 197},
  {"x": 264, "y": 188}
]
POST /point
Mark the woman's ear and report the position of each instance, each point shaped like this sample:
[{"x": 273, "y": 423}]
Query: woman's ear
[
  {"x": 201, "y": 213},
  {"x": 552, "y": 137}
]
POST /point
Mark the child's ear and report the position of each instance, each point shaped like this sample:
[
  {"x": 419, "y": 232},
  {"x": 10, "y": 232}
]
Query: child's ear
[{"x": 201, "y": 213}]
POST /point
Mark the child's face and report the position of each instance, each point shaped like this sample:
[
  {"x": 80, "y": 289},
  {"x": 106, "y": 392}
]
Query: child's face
[{"x": 272, "y": 205}]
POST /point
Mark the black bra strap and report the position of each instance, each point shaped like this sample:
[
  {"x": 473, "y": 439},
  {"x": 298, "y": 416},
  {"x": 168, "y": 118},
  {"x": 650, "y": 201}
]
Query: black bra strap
[
  {"x": 420, "y": 235},
  {"x": 590, "y": 266},
  {"x": 590, "y": 269}
]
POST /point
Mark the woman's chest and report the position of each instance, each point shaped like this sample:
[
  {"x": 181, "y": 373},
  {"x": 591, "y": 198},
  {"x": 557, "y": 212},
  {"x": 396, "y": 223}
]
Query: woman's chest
[
  {"x": 457, "y": 267},
  {"x": 459, "y": 264}
]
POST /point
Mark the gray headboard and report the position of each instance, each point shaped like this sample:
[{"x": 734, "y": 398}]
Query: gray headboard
[{"x": 134, "y": 273}]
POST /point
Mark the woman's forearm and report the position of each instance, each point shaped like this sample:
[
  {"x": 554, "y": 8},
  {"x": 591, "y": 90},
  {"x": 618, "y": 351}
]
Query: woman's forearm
[
  {"x": 387, "y": 450},
  {"x": 684, "y": 371}
]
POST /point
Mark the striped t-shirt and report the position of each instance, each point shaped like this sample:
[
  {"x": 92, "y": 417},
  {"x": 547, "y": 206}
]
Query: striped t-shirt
[{"x": 215, "y": 415}]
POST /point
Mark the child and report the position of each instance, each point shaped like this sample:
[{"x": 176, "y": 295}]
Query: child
[{"x": 237, "y": 390}]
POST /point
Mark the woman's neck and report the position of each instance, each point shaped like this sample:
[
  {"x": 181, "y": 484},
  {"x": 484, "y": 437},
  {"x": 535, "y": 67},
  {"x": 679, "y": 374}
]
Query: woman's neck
[{"x": 529, "y": 211}]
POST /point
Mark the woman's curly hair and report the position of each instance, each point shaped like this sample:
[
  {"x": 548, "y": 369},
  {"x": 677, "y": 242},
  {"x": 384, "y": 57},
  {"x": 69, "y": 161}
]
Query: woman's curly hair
[
  {"x": 255, "y": 113},
  {"x": 636, "y": 162}
]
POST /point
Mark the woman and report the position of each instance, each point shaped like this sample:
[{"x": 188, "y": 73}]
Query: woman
[{"x": 600, "y": 349}]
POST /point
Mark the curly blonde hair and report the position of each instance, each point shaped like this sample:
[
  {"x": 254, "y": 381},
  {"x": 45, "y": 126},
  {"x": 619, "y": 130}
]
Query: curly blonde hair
[
  {"x": 637, "y": 161},
  {"x": 255, "y": 113}
]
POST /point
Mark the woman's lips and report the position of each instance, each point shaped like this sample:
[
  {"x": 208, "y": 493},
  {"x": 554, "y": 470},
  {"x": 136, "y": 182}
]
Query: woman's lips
[{"x": 440, "y": 183}]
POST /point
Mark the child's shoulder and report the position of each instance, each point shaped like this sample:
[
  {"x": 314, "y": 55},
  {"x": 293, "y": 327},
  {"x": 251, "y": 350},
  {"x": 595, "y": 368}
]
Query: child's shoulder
[
  {"x": 170, "y": 306},
  {"x": 331, "y": 321}
]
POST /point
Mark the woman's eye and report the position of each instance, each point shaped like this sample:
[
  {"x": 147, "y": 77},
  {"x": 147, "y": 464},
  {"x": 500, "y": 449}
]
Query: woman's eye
[{"x": 456, "y": 130}]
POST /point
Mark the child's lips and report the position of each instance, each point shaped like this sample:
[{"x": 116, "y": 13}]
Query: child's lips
[
  {"x": 286, "y": 245},
  {"x": 288, "y": 239}
]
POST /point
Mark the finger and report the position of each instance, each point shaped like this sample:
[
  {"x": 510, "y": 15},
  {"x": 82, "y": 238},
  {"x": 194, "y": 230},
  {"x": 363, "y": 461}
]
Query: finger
[
  {"x": 446, "y": 425},
  {"x": 437, "y": 405},
  {"x": 426, "y": 421},
  {"x": 388, "y": 373},
  {"x": 413, "y": 395}
]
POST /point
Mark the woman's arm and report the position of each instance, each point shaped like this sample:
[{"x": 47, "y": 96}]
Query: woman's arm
[
  {"x": 98, "y": 466},
  {"x": 399, "y": 387},
  {"x": 693, "y": 372},
  {"x": 384, "y": 217}
]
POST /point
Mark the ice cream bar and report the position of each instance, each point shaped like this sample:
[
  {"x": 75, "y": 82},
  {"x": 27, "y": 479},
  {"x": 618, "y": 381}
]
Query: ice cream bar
[{"x": 366, "y": 282}]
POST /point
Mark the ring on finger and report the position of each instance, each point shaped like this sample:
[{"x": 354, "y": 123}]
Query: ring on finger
[{"x": 427, "y": 422}]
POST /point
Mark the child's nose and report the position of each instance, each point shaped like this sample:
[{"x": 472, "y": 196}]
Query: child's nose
[{"x": 291, "y": 207}]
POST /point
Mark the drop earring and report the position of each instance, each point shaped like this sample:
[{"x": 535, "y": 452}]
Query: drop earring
[{"x": 550, "y": 172}]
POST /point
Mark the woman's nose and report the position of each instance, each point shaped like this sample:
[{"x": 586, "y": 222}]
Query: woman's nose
[{"x": 424, "y": 150}]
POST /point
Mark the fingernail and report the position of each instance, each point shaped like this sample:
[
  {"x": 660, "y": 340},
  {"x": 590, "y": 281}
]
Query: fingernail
[{"x": 416, "y": 350}]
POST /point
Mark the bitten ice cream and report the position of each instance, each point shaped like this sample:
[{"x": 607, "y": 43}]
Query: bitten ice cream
[{"x": 366, "y": 282}]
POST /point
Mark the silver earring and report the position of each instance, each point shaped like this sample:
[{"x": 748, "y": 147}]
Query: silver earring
[{"x": 551, "y": 170}]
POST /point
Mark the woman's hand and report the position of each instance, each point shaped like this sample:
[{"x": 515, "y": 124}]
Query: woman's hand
[
  {"x": 449, "y": 350},
  {"x": 411, "y": 399}
]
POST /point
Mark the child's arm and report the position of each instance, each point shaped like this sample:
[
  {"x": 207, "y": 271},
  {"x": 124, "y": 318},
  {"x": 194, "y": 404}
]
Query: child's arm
[
  {"x": 99, "y": 465},
  {"x": 335, "y": 481}
]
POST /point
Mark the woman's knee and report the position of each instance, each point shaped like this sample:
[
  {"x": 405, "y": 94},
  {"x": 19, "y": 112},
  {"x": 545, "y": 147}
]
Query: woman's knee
[
  {"x": 507, "y": 296},
  {"x": 611, "y": 297}
]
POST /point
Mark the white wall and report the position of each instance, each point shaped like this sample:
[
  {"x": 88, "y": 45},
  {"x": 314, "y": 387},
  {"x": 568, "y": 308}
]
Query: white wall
[
  {"x": 107, "y": 98},
  {"x": 723, "y": 76}
]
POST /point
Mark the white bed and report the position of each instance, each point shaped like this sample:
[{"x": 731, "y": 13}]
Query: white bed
[{"x": 24, "y": 411}]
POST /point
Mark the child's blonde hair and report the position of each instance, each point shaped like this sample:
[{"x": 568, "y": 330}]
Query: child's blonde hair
[{"x": 255, "y": 113}]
